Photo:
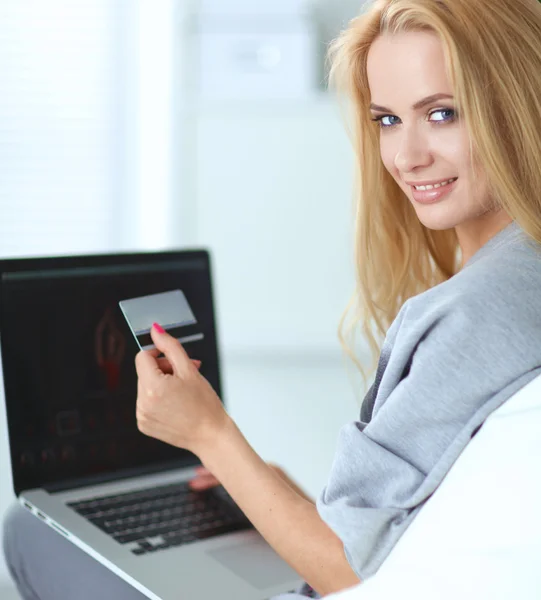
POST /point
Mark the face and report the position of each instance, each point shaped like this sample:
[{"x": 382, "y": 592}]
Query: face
[{"x": 424, "y": 144}]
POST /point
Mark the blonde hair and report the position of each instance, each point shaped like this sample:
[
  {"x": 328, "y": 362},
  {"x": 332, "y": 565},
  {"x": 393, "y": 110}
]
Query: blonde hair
[{"x": 493, "y": 55}]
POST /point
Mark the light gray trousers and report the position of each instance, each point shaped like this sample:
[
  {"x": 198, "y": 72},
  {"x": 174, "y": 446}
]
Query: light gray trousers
[{"x": 46, "y": 566}]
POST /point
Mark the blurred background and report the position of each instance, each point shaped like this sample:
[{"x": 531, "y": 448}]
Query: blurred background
[{"x": 152, "y": 124}]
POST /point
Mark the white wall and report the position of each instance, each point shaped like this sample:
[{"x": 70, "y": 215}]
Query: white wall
[
  {"x": 274, "y": 205},
  {"x": 273, "y": 189}
]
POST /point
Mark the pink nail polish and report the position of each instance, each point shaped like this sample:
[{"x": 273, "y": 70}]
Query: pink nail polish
[{"x": 158, "y": 328}]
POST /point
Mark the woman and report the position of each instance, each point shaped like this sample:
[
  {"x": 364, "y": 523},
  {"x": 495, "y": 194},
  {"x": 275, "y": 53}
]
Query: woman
[{"x": 446, "y": 99}]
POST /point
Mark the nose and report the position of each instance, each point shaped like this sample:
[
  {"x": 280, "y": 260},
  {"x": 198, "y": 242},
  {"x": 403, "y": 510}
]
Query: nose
[{"x": 413, "y": 151}]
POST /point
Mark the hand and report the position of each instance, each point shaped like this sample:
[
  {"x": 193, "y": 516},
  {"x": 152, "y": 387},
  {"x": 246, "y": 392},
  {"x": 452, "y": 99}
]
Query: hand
[
  {"x": 203, "y": 480},
  {"x": 175, "y": 403},
  {"x": 165, "y": 365}
]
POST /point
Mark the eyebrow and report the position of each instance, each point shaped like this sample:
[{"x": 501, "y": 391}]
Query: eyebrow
[{"x": 421, "y": 104}]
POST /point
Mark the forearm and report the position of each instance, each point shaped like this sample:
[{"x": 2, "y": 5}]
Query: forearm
[
  {"x": 284, "y": 517},
  {"x": 285, "y": 477}
]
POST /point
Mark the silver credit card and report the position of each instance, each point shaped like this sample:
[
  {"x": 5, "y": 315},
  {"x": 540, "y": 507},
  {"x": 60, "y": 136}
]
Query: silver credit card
[{"x": 169, "y": 309}]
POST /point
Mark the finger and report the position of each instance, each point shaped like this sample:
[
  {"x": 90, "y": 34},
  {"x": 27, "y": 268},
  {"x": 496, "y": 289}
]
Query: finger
[
  {"x": 164, "y": 365},
  {"x": 147, "y": 366},
  {"x": 202, "y": 471},
  {"x": 157, "y": 353},
  {"x": 164, "y": 362},
  {"x": 172, "y": 349},
  {"x": 204, "y": 477},
  {"x": 204, "y": 483}
]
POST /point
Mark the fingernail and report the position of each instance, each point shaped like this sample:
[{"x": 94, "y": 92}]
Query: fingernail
[{"x": 158, "y": 328}]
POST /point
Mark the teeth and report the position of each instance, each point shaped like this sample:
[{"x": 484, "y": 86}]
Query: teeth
[{"x": 423, "y": 188}]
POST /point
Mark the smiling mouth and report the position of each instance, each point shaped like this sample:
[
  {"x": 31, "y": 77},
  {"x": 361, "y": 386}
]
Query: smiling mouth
[{"x": 424, "y": 188}]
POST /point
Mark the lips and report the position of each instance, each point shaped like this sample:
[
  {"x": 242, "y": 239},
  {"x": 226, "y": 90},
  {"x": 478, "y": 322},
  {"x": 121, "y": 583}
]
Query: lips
[
  {"x": 424, "y": 186},
  {"x": 432, "y": 192}
]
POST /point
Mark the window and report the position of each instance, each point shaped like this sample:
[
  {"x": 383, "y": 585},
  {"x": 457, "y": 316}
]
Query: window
[{"x": 86, "y": 125}]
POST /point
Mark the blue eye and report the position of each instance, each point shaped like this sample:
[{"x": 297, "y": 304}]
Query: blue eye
[
  {"x": 385, "y": 121},
  {"x": 440, "y": 115},
  {"x": 447, "y": 114}
]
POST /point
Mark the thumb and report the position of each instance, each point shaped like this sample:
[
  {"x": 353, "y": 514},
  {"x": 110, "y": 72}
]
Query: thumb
[{"x": 172, "y": 349}]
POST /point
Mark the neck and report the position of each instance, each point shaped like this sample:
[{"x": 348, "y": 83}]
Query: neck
[{"x": 474, "y": 234}]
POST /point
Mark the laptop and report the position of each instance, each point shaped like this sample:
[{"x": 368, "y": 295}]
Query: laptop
[{"x": 79, "y": 462}]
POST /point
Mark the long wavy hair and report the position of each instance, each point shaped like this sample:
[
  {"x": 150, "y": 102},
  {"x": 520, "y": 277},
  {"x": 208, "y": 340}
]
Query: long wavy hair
[{"x": 493, "y": 57}]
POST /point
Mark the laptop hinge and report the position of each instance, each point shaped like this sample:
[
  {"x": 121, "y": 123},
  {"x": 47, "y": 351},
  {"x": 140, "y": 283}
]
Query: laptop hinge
[{"x": 153, "y": 469}]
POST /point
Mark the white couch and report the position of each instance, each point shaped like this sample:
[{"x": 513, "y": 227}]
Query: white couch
[{"x": 479, "y": 535}]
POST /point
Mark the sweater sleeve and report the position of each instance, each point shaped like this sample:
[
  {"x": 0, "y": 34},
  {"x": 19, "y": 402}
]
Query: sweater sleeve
[{"x": 446, "y": 368}]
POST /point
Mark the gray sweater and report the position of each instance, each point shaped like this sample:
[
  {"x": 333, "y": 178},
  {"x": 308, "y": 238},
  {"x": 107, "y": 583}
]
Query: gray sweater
[{"x": 453, "y": 355}]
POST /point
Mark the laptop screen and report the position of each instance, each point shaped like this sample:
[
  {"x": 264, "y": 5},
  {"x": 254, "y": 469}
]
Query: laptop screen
[{"x": 68, "y": 363}]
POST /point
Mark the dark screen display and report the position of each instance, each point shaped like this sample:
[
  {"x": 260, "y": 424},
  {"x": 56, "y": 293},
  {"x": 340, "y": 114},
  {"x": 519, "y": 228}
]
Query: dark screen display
[{"x": 68, "y": 362}]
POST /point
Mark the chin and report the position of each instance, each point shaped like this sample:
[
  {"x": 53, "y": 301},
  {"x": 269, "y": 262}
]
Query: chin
[{"x": 435, "y": 219}]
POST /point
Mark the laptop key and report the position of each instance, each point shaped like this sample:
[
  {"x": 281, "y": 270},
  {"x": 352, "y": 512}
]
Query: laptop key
[
  {"x": 127, "y": 538},
  {"x": 174, "y": 512}
]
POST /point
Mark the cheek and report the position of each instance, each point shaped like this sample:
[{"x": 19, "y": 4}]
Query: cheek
[{"x": 453, "y": 146}]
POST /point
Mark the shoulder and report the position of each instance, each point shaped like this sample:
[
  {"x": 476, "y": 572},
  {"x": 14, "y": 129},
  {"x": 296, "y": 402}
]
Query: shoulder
[
  {"x": 502, "y": 285},
  {"x": 484, "y": 318}
]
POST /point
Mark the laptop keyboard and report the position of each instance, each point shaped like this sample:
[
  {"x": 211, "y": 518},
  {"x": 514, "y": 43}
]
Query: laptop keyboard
[{"x": 159, "y": 518}]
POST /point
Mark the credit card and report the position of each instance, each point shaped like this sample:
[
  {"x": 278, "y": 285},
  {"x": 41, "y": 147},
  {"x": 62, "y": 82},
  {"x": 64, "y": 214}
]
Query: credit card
[{"x": 169, "y": 309}]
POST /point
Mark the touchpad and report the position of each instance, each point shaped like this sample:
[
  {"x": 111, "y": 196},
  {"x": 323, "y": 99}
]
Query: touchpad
[{"x": 256, "y": 562}]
